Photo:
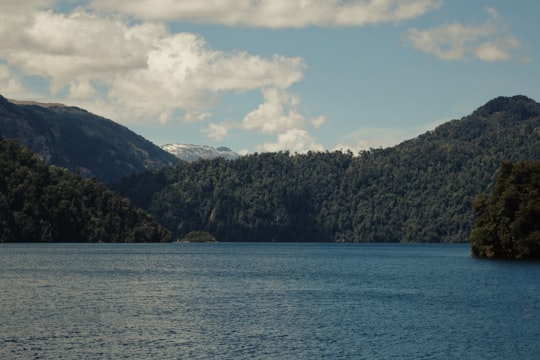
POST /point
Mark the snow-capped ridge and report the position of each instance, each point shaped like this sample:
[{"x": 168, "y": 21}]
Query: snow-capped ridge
[{"x": 190, "y": 152}]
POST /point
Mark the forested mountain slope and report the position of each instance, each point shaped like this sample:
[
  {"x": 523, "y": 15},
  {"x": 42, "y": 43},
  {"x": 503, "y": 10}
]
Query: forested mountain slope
[
  {"x": 40, "y": 203},
  {"x": 80, "y": 141},
  {"x": 419, "y": 191}
]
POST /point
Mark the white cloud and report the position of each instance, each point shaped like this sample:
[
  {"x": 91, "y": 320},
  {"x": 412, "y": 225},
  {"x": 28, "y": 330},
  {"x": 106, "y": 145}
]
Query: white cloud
[
  {"x": 497, "y": 50},
  {"x": 455, "y": 41},
  {"x": 81, "y": 90},
  {"x": 318, "y": 122},
  {"x": 274, "y": 13},
  {"x": 277, "y": 114},
  {"x": 10, "y": 84},
  {"x": 216, "y": 131},
  {"x": 67, "y": 48},
  {"x": 243, "y": 152},
  {"x": 196, "y": 117},
  {"x": 142, "y": 71},
  {"x": 293, "y": 140},
  {"x": 23, "y": 6}
]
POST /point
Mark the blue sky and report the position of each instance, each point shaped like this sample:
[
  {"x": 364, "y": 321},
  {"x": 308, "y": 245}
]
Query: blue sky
[{"x": 271, "y": 75}]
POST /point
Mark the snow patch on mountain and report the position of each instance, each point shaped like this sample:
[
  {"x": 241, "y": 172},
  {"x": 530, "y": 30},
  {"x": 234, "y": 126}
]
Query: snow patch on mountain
[{"x": 189, "y": 152}]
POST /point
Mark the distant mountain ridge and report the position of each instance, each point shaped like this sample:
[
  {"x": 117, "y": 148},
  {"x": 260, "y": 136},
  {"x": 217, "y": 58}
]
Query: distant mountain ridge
[
  {"x": 76, "y": 139},
  {"x": 189, "y": 152}
]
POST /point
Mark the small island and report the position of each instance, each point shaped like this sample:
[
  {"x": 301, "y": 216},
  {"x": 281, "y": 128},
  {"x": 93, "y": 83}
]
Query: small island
[{"x": 198, "y": 237}]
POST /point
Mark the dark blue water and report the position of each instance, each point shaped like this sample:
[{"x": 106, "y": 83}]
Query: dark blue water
[{"x": 265, "y": 301}]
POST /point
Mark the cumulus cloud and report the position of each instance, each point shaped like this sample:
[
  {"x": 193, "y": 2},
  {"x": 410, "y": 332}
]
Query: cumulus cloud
[
  {"x": 293, "y": 140},
  {"x": 318, "y": 121},
  {"x": 23, "y": 6},
  {"x": 455, "y": 41},
  {"x": 274, "y": 13},
  {"x": 217, "y": 131},
  {"x": 10, "y": 83},
  {"x": 142, "y": 70},
  {"x": 81, "y": 90},
  {"x": 277, "y": 116}
]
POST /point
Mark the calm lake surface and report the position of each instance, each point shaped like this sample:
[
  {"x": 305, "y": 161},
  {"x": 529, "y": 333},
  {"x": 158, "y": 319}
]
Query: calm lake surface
[{"x": 265, "y": 301}]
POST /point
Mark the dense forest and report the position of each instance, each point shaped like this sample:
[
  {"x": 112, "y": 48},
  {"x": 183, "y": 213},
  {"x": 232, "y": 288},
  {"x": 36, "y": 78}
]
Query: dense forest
[
  {"x": 419, "y": 191},
  {"x": 508, "y": 222},
  {"x": 41, "y": 203}
]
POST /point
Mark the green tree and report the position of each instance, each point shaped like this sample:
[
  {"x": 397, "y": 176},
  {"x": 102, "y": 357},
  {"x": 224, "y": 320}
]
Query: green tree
[
  {"x": 508, "y": 221},
  {"x": 40, "y": 203}
]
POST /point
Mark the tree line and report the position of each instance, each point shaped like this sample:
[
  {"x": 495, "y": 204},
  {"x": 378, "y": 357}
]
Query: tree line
[{"x": 41, "y": 203}]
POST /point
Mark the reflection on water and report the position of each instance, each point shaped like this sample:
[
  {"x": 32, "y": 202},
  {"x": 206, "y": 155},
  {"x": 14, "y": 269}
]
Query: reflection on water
[{"x": 265, "y": 301}]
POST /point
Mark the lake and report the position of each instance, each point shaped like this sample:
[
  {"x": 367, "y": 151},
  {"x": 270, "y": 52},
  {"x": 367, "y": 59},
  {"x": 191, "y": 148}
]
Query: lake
[{"x": 265, "y": 301}]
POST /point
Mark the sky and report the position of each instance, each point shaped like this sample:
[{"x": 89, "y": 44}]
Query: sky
[{"x": 271, "y": 75}]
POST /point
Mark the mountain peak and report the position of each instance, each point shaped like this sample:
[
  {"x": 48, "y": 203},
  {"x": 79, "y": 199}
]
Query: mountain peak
[
  {"x": 518, "y": 104},
  {"x": 36, "y": 103}
]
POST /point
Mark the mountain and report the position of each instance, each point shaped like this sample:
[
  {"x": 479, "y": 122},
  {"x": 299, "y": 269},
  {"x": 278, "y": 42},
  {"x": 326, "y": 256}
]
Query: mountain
[
  {"x": 188, "y": 152},
  {"x": 421, "y": 190},
  {"x": 41, "y": 203},
  {"x": 76, "y": 139}
]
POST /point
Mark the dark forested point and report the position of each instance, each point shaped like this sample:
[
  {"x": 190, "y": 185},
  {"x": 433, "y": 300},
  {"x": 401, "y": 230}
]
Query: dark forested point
[
  {"x": 198, "y": 237},
  {"x": 41, "y": 203},
  {"x": 508, "y": 222},
  {"x": 421, "y": 190}
]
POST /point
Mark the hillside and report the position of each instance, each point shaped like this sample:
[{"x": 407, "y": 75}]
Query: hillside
[
  {"x": 41, "y": 203},
  {"x": 418, "y": 191},
  {"x": 80, "y": 141},
  {"x": 188, "y": 152}
]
